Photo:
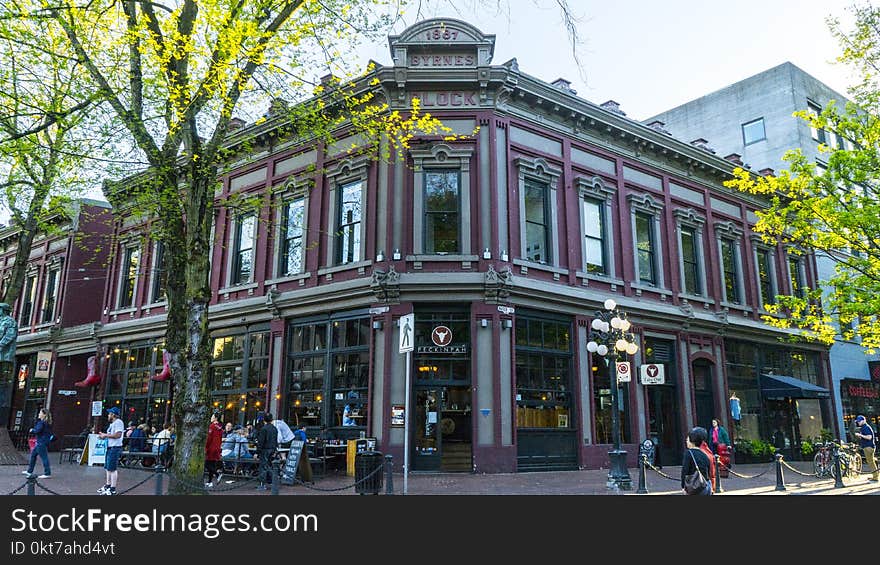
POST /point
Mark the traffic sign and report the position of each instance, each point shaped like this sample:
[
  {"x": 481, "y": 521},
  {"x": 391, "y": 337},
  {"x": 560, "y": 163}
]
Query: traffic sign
[
  {"x": 407, "y": 333},
  {"x": 652, "y": 374},
  {"x": 624, "y": 375}
]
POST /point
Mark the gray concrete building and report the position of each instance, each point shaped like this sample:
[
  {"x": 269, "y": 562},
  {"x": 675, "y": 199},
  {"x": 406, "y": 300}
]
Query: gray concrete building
[{"x": 752, "y": 120}]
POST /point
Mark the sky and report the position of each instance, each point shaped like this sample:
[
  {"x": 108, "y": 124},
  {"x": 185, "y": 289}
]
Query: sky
[{"x": 651, "y": 55}]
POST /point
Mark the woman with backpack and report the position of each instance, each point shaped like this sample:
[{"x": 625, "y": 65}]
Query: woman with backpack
[{"x": 42, "y": 431}]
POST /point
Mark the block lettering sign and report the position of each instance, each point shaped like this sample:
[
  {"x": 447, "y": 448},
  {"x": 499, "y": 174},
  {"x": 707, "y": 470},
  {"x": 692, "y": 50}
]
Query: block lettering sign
[
  {"x": 445, "y": 99},
  {"x": 443, "y": 60},
  {"x": 288, "y": 471},
  {"x": 624, "y": 375},
  {"x": 407, "y": 333},
  {"x": 652, "y": 374}
]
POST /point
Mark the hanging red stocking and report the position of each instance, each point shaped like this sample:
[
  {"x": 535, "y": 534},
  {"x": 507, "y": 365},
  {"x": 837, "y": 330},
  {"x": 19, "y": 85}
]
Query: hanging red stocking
[
  {"x": 93, "y": 377},
  {"x": 165, "y": 374}
]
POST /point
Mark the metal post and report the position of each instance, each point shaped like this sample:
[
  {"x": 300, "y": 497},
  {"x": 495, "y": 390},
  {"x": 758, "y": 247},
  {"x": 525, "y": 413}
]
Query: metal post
[
  {"x": 618, "y": 475},
  {"x": 780, "y": 480},
  {"x": 838, "y": 478},
  {"x": 718, "y": 474},
  {"x": 389, "y": 468},
  {"x": 159, "y": 472},
  {"x": 643, "y": 463},
  {"x": 276, "y": 477},
  {"x": 406, "y": 426},
  {"x": 31, "y": 485}
]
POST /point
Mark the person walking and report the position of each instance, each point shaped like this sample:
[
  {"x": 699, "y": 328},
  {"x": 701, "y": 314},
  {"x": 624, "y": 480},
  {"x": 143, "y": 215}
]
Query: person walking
[
  {"x": 113, "y": 435},
  {"x": 267, "y": 443},
  {"x": 212, "y": 450},
  {"x": 695, "y": 459},
  {"x": 42, "y": 431},
  {"x": 868, "y": 442},
  {"x": 717, "y": 435},
  {"x": 704, "y": 447}
]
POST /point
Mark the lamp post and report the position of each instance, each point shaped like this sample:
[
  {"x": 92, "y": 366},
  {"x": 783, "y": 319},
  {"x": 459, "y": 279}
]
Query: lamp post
[{"x": 610, "y": 338}]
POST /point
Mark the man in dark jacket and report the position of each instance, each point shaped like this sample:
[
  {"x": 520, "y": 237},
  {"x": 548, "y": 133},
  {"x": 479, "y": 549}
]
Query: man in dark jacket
[{"x": 267, "y": 443}]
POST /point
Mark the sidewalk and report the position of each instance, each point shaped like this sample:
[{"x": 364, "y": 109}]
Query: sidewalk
[{"x": 756, "y": 480}]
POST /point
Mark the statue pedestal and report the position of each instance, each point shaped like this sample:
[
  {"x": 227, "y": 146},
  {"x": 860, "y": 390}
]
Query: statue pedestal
[{"x": 8, "y": 454}]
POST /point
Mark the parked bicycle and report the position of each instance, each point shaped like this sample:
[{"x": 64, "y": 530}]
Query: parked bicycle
[
  {"x": 823, "y": 461},
  {"x": 850, "y": 460}
]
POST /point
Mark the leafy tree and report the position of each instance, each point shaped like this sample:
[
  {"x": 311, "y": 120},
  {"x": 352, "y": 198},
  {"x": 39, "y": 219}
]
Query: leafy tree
[{"x": 834, "y": 211}]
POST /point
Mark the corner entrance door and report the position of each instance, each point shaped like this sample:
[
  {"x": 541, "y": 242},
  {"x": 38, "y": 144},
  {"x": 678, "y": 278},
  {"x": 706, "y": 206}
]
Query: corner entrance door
[
  {"x": 426, "y": 430},
  {"x": 442, "y": 429}
]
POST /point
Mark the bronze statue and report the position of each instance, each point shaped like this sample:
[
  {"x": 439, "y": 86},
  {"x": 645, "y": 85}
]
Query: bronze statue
[{"x": 8, "y": 333}]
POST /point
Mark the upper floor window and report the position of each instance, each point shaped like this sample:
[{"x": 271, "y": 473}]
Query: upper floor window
[
  {"x": 27, "y": 300},
  {"x": 349, "y": 246},
  {"x": 730, "y": 271},
  {"x": 818, "y": 134},
  {"x": 442, "y": 216},
  {"x": 594, "y": 236},
  {"x": 645, "y": 246},
  {"x": 50, "y": 295},
  {"x": 243, "y": 249},
  {"x": 690, "y": 261},
  {"x": 292, "y": 233},
  {"x": 159, "y": 275},
  {"x": 753, "y": 131},
  {"x": 537, "y": 225},
  {"x": 796, "y": 274},
  {"x": 131, "y": 260},
  {"x": 766, "y": 282}
]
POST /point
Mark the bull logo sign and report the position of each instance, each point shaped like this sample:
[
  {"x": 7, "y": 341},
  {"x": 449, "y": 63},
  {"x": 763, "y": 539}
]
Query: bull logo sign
[
  {"x": 441, "y": 336},
  {"x": 652, "y": 374}
]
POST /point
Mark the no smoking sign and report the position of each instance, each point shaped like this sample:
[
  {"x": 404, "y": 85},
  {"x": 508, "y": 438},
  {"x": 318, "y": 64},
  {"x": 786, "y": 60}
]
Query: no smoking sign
[{"x": 624, "y": 375}]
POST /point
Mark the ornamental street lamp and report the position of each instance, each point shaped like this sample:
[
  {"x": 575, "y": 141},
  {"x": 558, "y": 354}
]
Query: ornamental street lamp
[{"x": 610, "y": 338}]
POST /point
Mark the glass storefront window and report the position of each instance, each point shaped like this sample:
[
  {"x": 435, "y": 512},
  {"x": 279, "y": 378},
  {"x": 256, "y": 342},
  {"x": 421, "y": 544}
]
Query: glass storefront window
[
  {"x": 239, "y": 376},
  {"x": 130, "y": 387},
  {"x": 328, "y": 373},
  {"x": 543, "y": 374}
]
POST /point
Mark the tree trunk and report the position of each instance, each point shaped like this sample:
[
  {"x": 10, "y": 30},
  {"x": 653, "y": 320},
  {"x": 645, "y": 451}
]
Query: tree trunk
[{"x": 25, "y": 240}]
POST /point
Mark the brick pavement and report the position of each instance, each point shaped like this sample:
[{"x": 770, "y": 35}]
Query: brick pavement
[{"x": 756, "y": 480}]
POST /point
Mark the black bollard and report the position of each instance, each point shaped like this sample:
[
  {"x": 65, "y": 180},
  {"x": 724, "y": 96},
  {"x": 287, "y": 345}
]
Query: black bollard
[
  {"x": 718, "y": 474},
  {"x": 31, "y": 485},
  {"x": 780, "y": 480},
  {"x": 159, "y": 472},
  {"x": 643, "y": 488},
  {"x": 838, "y": 475},
  {"x": 389, "y": 468},
  {"x": 276, "y": 477}
]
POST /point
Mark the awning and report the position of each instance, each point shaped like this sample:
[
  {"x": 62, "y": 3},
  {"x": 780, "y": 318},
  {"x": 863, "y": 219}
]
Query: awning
[{"x": 779, "y": 386}]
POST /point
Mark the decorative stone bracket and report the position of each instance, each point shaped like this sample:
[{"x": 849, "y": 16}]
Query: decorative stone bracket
[
  {"x": 386, "y": 286},
  {"x": 497, "y": 285}
]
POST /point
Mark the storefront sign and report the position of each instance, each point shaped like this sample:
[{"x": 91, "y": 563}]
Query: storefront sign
[
  {"x": 44, "y": 360},
  {"x": 867, "y": 390},
  {"x": 461, "y": 348},
  {"x": 443, "y": 60},
  {"x": 398, "y": 414},
  {"x": 441, "y": 336},
  {"x": 67, "y": 393},
  {"x": 652, "y": 374}
]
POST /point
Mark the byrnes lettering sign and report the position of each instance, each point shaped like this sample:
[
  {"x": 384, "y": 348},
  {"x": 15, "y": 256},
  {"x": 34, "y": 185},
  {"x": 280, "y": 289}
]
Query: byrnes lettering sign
[
  {"x": 439, "y": 60},
  {"x": 445, "y": 99}
]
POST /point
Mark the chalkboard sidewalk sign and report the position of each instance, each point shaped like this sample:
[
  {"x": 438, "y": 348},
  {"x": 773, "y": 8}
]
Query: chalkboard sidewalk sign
[{"x": 288, "y": 471}]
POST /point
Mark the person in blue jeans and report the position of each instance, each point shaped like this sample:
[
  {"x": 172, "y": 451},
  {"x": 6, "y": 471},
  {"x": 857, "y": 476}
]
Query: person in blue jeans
[{"x": 43, "y": 431}]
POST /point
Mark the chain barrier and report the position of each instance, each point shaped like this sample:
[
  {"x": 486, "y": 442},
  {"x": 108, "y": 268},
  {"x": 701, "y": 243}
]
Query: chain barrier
[
  {"x": 136, "y": 485},
  {"x": 336, "y": 489},
  {"x": 661, "y": 473},
  {"x": 50, "y": 491},
  {"x": 790, "y": 468},
  {"x": 18, "y": 489},
  {"x": 735, "y": 474},
  {"x": 203, "y": 488}
]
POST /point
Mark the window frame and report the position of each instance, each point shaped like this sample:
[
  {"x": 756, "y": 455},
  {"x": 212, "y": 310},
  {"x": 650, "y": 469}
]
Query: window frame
[
  {"x": 728, "y": 232},
  {"x": 645, "y": 205},
  {"x": 284, "y": 239},
  {"x": 538, "y": 172},
  {"x": 428, "y": 240},
  {"x": 158, "y": 286},
  {"x": 818, "y": 135},
  {"x": 690, "y": 220},
  {"x": 750, "y": 123},
  {"x": 759, "y": 248},
  {"x": 594, "y": 190},
  {"x": 126, "y": 275},
  {"x": 344, "y": 173},
  {"x": 53, "y": 274},
  {"x": 442, "y": 157},
  {"x": 28, "y": 298},
  {"x": 235, "y": 274}
]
